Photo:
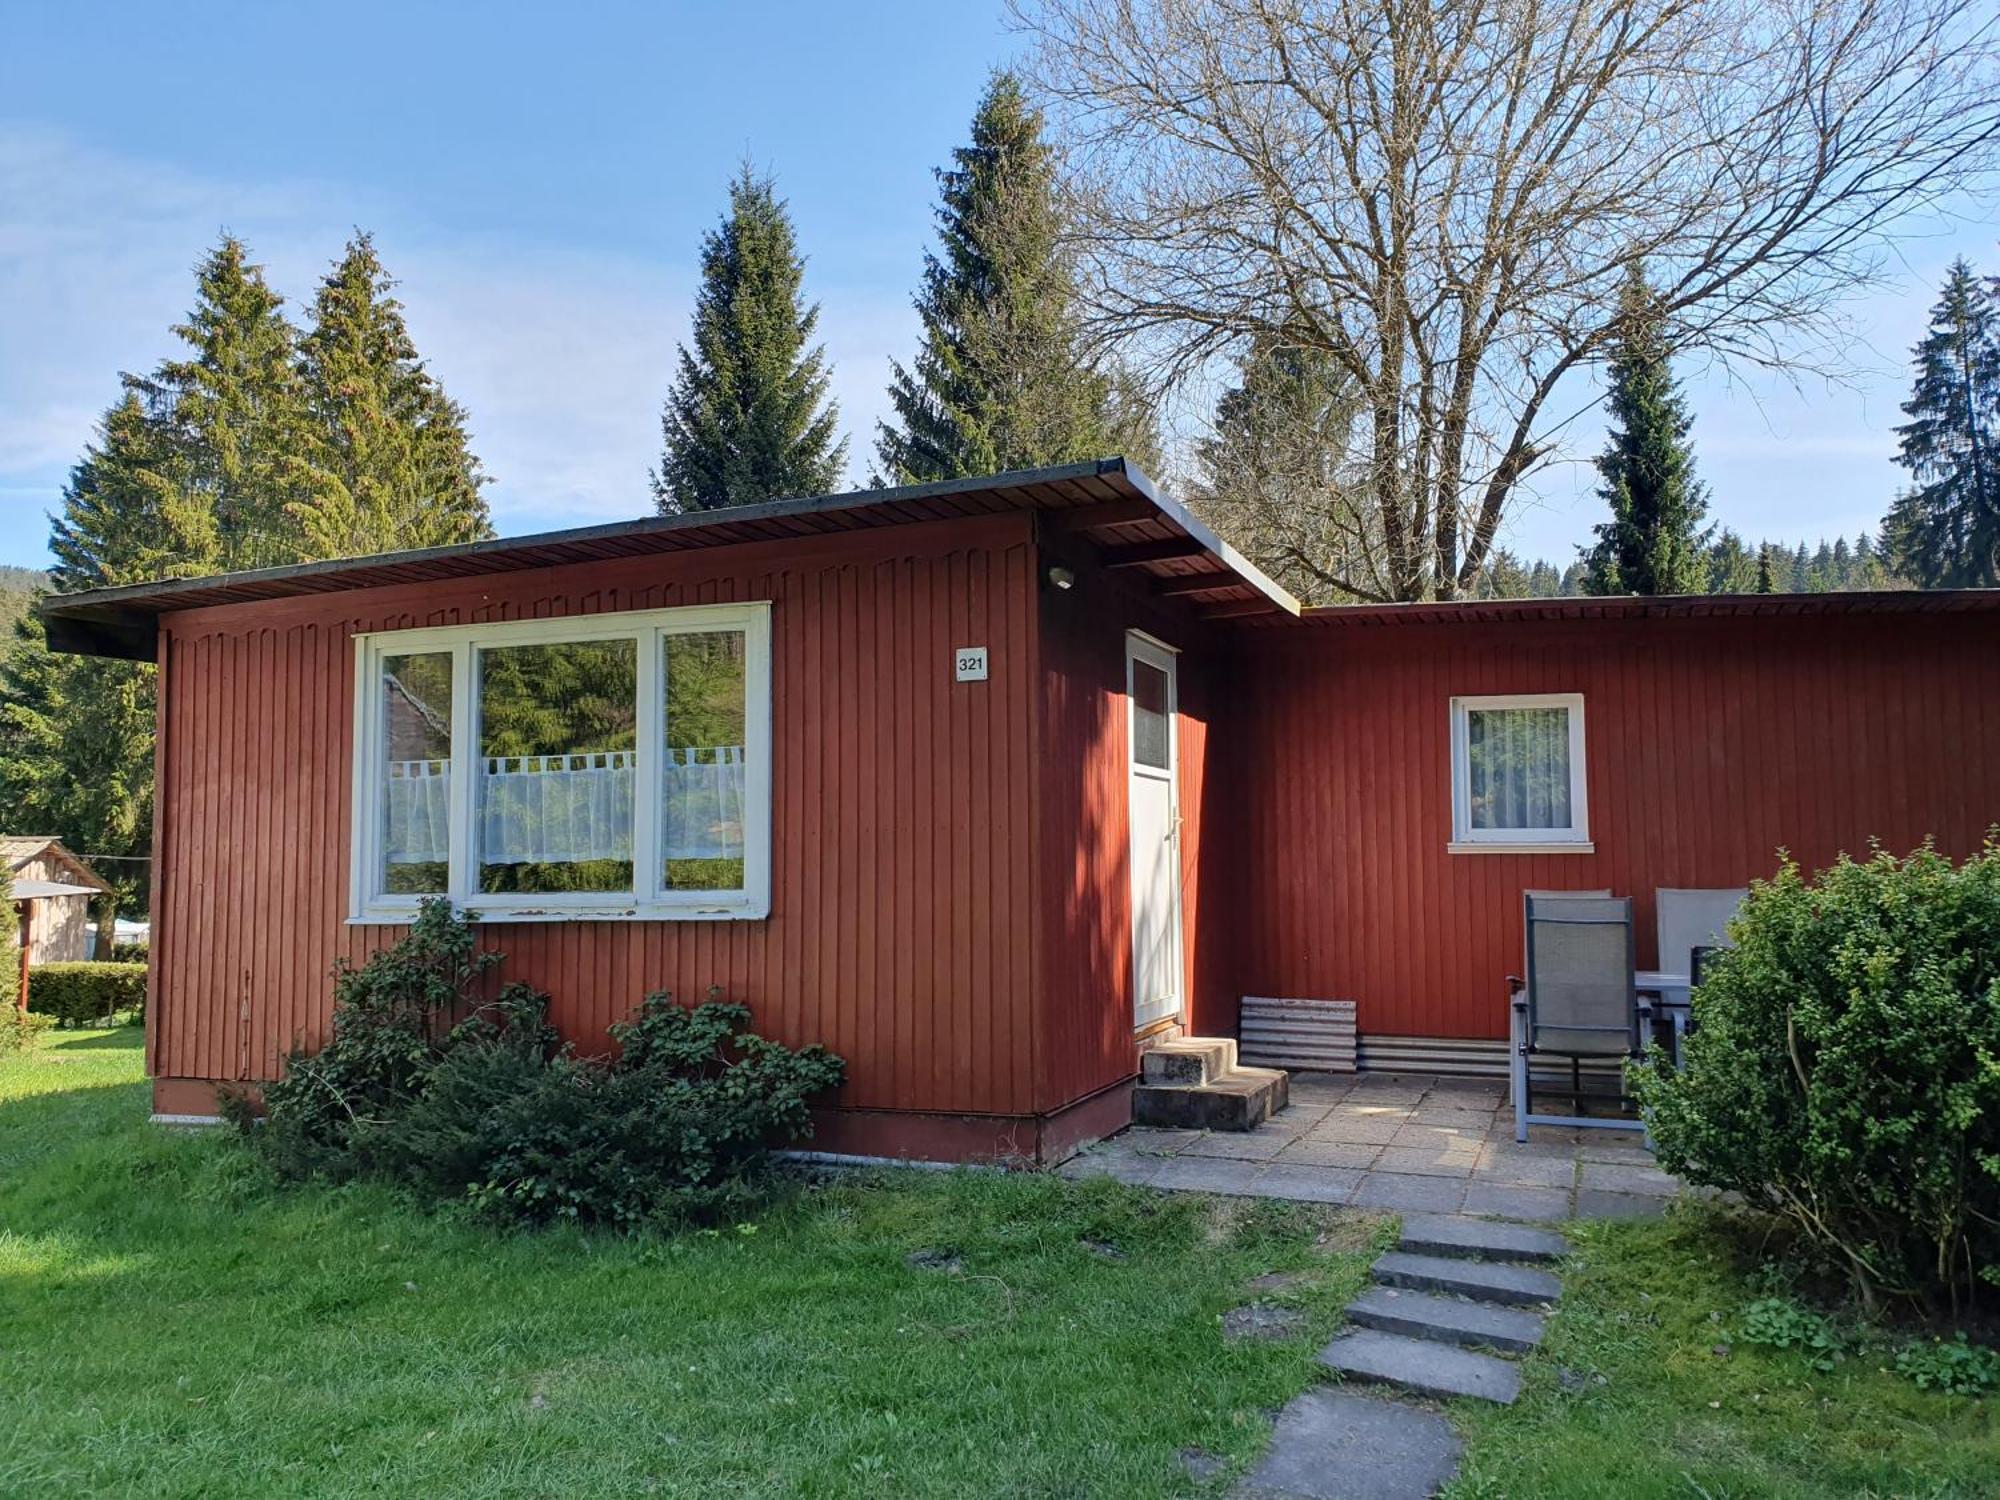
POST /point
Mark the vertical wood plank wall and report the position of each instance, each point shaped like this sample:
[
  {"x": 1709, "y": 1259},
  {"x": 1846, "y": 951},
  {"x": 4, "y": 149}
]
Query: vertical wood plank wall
[
  {"x": 900, "y": 932},
  {"x": 1084, "y": 868},
  {"x": 1710, "y": 744}
]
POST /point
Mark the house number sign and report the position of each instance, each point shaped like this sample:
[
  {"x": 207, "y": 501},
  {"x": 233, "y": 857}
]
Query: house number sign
[{"x": 969, "y": 663}]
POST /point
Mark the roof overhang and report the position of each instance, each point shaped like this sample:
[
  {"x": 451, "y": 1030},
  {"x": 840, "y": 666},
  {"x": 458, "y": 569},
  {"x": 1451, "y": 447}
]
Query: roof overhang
[
  {"x": 1655, "y": 607},
  {"x": 1108, "y": 503},
  {"x": 35, "y": 890}
]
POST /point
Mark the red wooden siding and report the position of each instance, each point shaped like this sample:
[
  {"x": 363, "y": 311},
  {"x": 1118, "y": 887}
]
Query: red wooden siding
[
  {"x": 900, "y": 932},
  {"x": 1084, "y": 891},
  {"x": 1710, "y": 743}
]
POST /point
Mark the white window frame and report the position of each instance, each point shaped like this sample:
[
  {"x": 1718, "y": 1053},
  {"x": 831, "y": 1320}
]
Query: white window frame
[
  {"x": 650, "y": 900},
  {"x": 1465, "y": 839}
]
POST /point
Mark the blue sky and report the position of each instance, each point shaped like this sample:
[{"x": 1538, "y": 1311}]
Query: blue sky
[{"x": 539, "y": 177}]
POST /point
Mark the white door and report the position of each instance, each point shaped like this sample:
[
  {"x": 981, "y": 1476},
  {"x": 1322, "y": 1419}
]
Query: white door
[{"x": 1152, "y": 699}]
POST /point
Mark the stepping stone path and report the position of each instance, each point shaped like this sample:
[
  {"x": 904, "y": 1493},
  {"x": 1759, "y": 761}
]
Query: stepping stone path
[{"x": 1454, "y": 1297}]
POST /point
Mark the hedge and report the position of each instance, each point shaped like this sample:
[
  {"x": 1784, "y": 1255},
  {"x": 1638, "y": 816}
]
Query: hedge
[{"x": 86, "y": 994}]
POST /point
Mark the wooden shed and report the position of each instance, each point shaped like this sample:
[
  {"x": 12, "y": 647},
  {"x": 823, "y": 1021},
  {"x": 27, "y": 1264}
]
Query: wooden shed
[
  {"x": 983, "y": 785},
  {"x": 61, "y": 888}
]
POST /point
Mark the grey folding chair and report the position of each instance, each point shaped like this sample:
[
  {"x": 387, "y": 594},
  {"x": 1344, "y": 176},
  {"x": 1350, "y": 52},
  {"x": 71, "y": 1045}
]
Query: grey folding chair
[
  {"x": 1578, "y": 1000},
  {"x": 1688, "y": 920},
  {"x": 1691, "y": 923}
]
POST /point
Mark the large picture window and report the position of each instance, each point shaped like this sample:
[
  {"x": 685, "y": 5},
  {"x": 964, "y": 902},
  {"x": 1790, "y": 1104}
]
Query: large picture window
[
  {"x": 597, "y": 767},
  {"x": 1517, "y": 773}
]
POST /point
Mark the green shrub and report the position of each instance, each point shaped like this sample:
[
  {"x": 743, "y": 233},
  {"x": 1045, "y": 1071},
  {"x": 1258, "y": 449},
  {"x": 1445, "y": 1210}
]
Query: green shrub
[
  {"x": 126, "y": 952},
  {"x": 1781, "y": 1323},
  {"x": 1953, "y": 1366},
  {"x": 86, "y": 994},
  {"x": 19, "y": 1032},
  {"x": 1845, "y": 1070},
  {"x": 392, "y": 1020},
  {"x": 678, "y": 1126}
]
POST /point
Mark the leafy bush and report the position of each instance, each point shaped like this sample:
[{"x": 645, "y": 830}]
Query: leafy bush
[
  {"x": 677, "y": 1126},
  {"x": 1953, "y": 1366},
  {"x": 124, "y": 951},
  {"x": 86, "y": 994},
  {"x": 1781, "y": 1323},
  {"x": 19, "y": 1032},
  {"x": 393, "y": 1020},
  {"x": 1845, "y": 1070}
]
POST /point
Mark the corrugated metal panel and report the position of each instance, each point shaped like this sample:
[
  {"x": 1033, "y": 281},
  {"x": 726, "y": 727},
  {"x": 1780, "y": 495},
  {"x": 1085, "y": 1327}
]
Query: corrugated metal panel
[
  {"x": 900, "y": 918},
  {"x": 1710, "y": 744}
]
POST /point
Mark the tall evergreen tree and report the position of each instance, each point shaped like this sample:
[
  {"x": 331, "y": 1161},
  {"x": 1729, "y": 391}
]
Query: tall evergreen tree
[
  {"x": 76, "y": 733},
  {"x": 1651, "y": 544},
  {"x": 1275, "y": 475},
  {"x": 1002, "y": 380},
  {"x": 1945, "y": 531},
  {"x": 748, "y": 418},
  {"x": 384, "y": 462},
  {"x": 233, "y": 409}
]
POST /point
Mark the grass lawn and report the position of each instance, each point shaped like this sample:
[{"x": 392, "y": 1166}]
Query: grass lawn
[
  {"x": 1642, "y": 1390},
  {"x": 172, "y": 1326}
]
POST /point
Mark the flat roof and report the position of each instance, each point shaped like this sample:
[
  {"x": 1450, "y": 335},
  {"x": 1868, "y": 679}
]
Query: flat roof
[
  {"x": 1108, "y": 504},
  {"x": 1651, "y": 606}
]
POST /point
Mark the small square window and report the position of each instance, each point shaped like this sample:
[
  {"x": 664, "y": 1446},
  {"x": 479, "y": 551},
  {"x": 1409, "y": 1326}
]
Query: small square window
[{"x": 1517, "y": 771}]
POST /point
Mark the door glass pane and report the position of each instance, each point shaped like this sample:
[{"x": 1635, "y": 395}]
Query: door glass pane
[
  {"x": 557, "y": 756},
  {"x": 701, "y": 762},
  {"x": 1151, "y": 728},
  {"x": 416, "y": 772},
  {"x": 1518, "y": 759}
]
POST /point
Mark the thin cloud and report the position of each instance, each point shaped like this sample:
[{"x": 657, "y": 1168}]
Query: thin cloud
[{"x": 562, "y": 357}]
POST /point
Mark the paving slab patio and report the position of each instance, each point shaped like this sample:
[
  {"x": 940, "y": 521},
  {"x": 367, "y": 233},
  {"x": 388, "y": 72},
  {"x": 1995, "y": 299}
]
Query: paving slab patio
[{"x": 1402, "y": 1143}]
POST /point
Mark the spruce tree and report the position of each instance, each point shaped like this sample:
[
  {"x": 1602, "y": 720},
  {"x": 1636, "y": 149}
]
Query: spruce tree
[
  {"x": 1274, "y": 475},
  {"x": 233, "y": 409},
  {"x": 1945, "y": 531},
  {"x": 1002, "y": 380},
  {"x": 748, "y": 418},
  {"x": 1651, "y": 544},
  {"x": 384, "y": 462},
  {"x": 76, "y": 733}
]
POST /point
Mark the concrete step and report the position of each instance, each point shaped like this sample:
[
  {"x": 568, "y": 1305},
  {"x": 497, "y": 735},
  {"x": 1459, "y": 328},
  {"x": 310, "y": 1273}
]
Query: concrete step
[
  {"x": 1464, "y": 1238},
  {"x": 1421, "y": 1366},
  {"x": 1447, "y": 1320},
  {"x": 1188, "y": 1060},
  {"x": 1331, "y": 1444},
  {"x": 1241, "y": 1099},
  {"x": 1484, "y": 1281}
]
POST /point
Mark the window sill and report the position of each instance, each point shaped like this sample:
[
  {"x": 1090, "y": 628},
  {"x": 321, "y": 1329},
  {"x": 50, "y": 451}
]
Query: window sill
[
  {"x": 1542, "y": 846},
  {"x": 402, "y": 917}
]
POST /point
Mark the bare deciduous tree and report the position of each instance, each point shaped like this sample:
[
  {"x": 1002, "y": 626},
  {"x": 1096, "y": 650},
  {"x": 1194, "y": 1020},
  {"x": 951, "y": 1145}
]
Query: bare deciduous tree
[{"x": 1444, "y": 195}]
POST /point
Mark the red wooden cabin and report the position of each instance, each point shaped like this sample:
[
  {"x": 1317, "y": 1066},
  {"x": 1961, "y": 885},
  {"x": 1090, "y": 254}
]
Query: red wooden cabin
[{"x": 980, "y": 784}]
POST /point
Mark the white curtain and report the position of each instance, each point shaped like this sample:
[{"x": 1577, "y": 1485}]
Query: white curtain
[
  {"x": 702, "y": 802},
  {"x": 419, "y": 830},
  {"x": 556, "y": 809},
  {"x": 1520, "y": 767},
  {"x": 564, "y": 809}
]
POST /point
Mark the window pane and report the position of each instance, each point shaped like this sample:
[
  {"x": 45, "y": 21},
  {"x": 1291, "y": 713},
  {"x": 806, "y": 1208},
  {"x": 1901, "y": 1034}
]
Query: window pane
[
  {"x": 557, "y": 750},
  {"x": 702, "y": 767},
  {"x": 1519, "y": 764},
  {"x": 416, "y": 773},
  {"x": 1151, "y": 729}
]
